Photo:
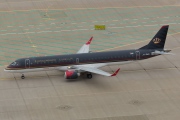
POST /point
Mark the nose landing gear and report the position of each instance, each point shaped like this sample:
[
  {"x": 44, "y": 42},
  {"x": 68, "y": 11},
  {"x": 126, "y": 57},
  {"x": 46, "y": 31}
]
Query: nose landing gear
[{"x": 22, "y": 76}]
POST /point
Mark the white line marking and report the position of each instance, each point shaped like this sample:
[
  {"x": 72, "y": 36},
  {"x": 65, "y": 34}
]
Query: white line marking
[
  {"x": 172, "y": 23},
  {"x": 30, "y": 32},
  {"x": 128, "y": 26},
  {"x": 10, "y": 33},
  {"x": 21, "y": 33},
  {"x": 137, "y": 26},
  {"x": 65, "y": 30},
  {"x": 79, "y": 29},
  {"x": 133, "y": 26},
  {"x": 46, "y": 31},
  {"x": 151, "y": 25},
  {"x": 161, "y": 24},
  {"x": 115, "y": 27},
  {"x": 43, "y": 31}
]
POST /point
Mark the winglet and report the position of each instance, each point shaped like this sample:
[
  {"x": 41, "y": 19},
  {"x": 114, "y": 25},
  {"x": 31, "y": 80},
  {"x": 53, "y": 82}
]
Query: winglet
[
  {"x": 89, "y": 41},
  {"x": 165, "y": 26},
  {"x": 115, "y": 73}
]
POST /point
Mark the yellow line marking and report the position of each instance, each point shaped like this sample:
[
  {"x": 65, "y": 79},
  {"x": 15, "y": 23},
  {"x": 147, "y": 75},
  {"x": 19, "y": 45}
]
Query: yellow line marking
[
  {"x": 31, "y": 77},
  {"x": 7, "y": 78},
  {"x": 133, "y": 43},
  {"x": 140, "y": 70},
  {"x": 92, "y": 8},
  {"x": 176, "y": 48},
  {"x": 29, "y": 1},
  {"x": 33, "y": 46}
]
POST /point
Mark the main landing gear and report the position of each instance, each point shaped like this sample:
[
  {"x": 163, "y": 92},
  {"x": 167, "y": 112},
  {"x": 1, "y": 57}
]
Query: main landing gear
[
  {"x": 22, "y": 76},
  {"x": 89, "y": 75}
]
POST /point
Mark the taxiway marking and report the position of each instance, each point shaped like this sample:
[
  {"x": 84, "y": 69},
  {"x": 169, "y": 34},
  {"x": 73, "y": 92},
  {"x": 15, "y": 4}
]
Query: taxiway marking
[
  {"x": 113, "y": 27},
  {"x": 133, "y": 43}
]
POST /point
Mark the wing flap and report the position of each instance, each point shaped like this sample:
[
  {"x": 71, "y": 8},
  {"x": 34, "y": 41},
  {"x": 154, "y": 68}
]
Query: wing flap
[{"x": 98, "y": 71}]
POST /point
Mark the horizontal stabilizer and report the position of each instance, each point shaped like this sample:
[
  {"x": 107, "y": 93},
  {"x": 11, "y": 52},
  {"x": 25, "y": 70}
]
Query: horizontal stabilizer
[{"x": 161, "y": 53}]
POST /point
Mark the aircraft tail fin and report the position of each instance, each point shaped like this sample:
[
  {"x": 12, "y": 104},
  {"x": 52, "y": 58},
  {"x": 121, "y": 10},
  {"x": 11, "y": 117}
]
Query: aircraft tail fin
[{"x": 158, "y": 40}]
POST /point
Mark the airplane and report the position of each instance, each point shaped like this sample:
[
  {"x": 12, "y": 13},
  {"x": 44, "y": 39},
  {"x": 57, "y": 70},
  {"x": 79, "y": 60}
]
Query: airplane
[{"x": 88, "y": 62}]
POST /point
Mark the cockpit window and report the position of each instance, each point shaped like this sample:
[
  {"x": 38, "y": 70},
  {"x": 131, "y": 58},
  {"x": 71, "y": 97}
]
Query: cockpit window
[{"x": 13, "y": 64}]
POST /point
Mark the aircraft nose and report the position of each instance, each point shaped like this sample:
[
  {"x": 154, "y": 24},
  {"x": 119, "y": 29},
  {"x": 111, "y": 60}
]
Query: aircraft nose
[{"x": 8, "y": 67}]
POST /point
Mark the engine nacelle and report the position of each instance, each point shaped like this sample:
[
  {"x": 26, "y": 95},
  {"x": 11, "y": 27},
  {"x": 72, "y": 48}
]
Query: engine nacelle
[{"x": 70, "y": 74}]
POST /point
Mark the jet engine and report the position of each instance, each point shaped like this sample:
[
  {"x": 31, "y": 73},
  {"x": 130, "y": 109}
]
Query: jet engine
[{"x": 70, "y": 74}]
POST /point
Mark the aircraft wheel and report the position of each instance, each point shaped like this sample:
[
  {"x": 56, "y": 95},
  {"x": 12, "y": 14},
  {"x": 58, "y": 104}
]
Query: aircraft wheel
[
  {"x": 22, "y": 77},
  {"x": 89, "y": 76}
]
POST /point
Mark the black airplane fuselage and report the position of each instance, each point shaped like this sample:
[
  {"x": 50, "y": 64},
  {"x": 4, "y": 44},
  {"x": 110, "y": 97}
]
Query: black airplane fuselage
[
  {"x": 79, "y": 59},
  {"x": 74, "y": 64}
]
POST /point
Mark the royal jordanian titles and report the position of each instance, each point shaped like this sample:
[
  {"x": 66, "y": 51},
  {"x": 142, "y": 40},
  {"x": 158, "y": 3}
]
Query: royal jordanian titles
[{"x": 86, "y": 62}]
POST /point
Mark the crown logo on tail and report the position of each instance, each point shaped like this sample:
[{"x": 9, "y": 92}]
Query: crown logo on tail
[{"x": 156, "y": 40}]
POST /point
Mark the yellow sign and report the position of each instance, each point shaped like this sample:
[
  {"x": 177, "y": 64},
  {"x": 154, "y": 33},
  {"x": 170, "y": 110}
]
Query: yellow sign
[
  {"x": 99, "y": 27},
  {"x": 156, "y": 40}
]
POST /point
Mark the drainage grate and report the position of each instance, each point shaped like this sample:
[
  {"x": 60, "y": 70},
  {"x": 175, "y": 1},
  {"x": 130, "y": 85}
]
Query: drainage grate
[
  {"x": 64, "y": 107},
  {"x": 136, "y": 102}
]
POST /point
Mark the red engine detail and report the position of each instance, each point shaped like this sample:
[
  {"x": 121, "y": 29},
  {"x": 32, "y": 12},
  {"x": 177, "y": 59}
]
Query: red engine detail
[{"x": 70, "y": 74}]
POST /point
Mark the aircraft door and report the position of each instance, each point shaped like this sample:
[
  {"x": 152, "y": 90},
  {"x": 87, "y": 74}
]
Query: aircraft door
[
  {"x": 77, "y": 60},
  {"x": 137, "y": 55},
  {"x": 27, "y": 63}
]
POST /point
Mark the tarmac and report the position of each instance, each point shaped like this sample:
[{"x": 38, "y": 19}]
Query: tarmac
[{"x": 143, "y": 90}]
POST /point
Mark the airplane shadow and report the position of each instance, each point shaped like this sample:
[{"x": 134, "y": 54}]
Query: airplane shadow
[{"x": 95, "y": 81}]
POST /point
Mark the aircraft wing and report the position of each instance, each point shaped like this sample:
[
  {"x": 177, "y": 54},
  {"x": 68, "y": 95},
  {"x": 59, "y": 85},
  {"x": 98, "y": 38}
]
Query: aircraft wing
[
  {"x": 97, "y": 71},
  {"x": 85, "y": 47}
]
